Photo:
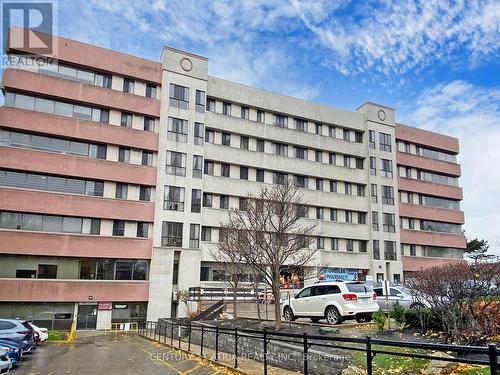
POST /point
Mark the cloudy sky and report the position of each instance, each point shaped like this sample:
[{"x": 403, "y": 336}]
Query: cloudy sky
[{"x": 436, "y": 62}]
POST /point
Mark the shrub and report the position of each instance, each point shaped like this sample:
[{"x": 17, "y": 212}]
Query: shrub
[
  {"x": 423, "y": 319},
  {"x": 380, "y": 318},
  {"x": 398, "y": 313}
]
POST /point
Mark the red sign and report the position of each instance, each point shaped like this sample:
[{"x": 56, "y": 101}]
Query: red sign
[{"x": 105, "y": 306}]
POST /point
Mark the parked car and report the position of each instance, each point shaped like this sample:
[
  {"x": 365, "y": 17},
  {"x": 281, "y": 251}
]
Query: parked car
[
  {"x": 18, "y": 331},
  {"x": 15, "y": 352},
  {"x": 400, "y": 294},
  {"x": 43, "y": 333},
  {"x": 335, "y": 301},
  {"x": 5, "y": 362}
]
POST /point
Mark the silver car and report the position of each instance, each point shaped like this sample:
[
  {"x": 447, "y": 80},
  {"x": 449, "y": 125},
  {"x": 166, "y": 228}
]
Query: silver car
[{"x": 399, "y": 294}]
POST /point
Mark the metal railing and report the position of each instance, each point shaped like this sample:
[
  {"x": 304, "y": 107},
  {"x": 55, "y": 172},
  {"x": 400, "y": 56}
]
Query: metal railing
[{"x": 155, "y": 330}]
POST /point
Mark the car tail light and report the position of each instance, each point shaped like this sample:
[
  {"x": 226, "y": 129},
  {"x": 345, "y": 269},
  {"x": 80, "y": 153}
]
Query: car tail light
[
  {"x": 374, "y": 296},
  {"x": 23, "y": 332},
  {"x": 350, "y": 297}
]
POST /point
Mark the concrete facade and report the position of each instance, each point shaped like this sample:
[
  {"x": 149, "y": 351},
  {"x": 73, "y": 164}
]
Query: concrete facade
[{"x": 385, "y": 195}]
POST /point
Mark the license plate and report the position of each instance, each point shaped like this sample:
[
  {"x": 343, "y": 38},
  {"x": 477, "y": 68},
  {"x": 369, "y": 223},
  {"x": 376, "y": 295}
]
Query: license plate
[{"x": 364, "y": 300}]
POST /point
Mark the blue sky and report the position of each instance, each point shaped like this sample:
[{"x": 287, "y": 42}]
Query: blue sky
[{"x": 436, "y": 62}]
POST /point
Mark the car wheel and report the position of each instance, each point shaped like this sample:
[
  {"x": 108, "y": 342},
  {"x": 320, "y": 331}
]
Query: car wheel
[
  {"x": 315, "y": 320},
  {"x": 333, "y": 315},
  {"x": 364, "y": 318},
  {"x": 288, "y": 314},
  {"x": 417, "y": 305}
]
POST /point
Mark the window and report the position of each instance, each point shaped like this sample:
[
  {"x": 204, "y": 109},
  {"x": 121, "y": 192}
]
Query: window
[
  {"x": 280, "y": 149},
  {"x": 349, "y": 245},
  {"x": 411, "y": 223},
  {"x": 333, "y": 214},
  {"x": 438, "y": 226},
  {"x": 179, "y": 96},
  {"x": 320, "y": 213},
  {"x": 145, "y": 193},
  {"x": 177, "y": 129},
  {"x": 302, "y": 210},
  {"x": 318, "y": 129},
  {"x": 171, "y": 234},
  {"x": 348, "y": 216},
  {"x": 439, "y": 202},
  {"x": 362, "y": 246},
  {"x": 279, "y": 178},
  {"x": 244, "y": 143},
  {"x": 176, "y": 163},
  {"x": 385, "y": 142},
  {"x": 334, "y": 243},
  {"x": 242, "y": 204},
  {"x": 359, "y": 163},
  {"x": 332, "y": 158},
  {"x": 49, "y": 223},
  {"x": 142, "y": 229},
  {"x": 333, "y": 186},
  {"x": 387, "y": 195},
  {"x": 194, "y": 236},
  {"x": 244, "y": 173},
  {"x": 376, "y": 250},
  {"x": 206, "y": 234},
  {"x": 224, "y": 202},
  {"x": 318, "y": 156},
  {"x": 347, "y": 161},
  {"x": 47, "y": 271},
  {"x": 413, "y": 250},
  {"x": 373, "y": 165},
  {"x": 209, "y": 167},
  {"x": 373, "y": 193},
  {"x": 361, "y": 190},
  {"x": 358, "y": 137},
  {"x": 320, "y": 242},
  {"x": 372, "y": 139},
  {"x": 200, "y": 101},
  {"x": 226, "y": 139},
  {"x": 207, "y": 200},
  {"x": 149, "y": 124},
  {"x": 348, "y": 188},
  {"x": 280, "y": 120},
  {"x": 118, "y": 227},
  {"x": 407, "y": 148},
  {"x": 196, "y": 200},
  {"x": 245, "y": 113},
  {"x": 128, "y": 85},
  {"x": 389, "y": 222},
  {"x": 375, "y": 220},
  {"x": 197, "y": 166},
  {"x": 346, "y": 135},
  {"x": 260, "y": 145},
  {"x": 126, "y": 120},
  {"x": 361, "y": 218},
  {"x": 300, "y": 125},
  {"x": 408, "y": 172},
  {"x": 300, "y": 153},
  {"x": 173, "y": 198},
  {"x": 121, "y": 190},
  {"x": 150, "y": 91},
  {"x": 319, "y": 184},
  {"x": 410, "y": 198},
  {"x": 331, "y": 131},
  {"x": 124, "y": 155},
  {"x": 389, "y": 250},
  {"x": 386, "y": 168},
  {"x": 225, "y": 170},
  {"x": 147, "y": 158},
  {"x": 226, "y": 109},
  {"x": 301, "y": 181},
  {"x": 209, "y": 136},
  {"x": 198, "y": 133},
  {"x": 259, "y": 175},
  {"x": 261, "y": 116},
  {"x": 211, "y": 105}
]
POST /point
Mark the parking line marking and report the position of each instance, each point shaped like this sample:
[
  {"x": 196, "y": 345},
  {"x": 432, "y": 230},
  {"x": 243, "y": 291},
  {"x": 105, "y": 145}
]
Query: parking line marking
[
  {"x": 162, "y": 361},
  {"x": 191, "y": 370}
]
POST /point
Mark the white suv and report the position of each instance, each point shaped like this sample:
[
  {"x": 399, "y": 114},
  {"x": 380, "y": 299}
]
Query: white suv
[{"x": 334, "y": 300}]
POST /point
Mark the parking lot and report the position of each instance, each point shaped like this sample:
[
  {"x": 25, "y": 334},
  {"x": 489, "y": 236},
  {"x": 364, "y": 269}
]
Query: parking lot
[{"x": 111, "y": 354}]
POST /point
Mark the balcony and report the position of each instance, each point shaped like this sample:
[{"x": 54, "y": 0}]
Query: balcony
[
  {"x": 411, "y": 264},
  {"x": 428, "y": 164},
  {"x": 423, "y": 137},
  {"x": 44, "y": 290},
  {"x": 67, "y": 90},
  {"x": 19, "y": 242},
  {"x": 429, "y": 188},
  {"x": 428, "y": 238},
  {"x": 431, "y": 213}
]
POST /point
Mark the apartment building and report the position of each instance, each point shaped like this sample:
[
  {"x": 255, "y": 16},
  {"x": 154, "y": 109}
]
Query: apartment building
[{"x": 116, "y": 172}]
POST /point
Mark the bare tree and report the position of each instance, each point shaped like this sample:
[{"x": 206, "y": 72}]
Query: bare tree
[{"x": 271, "y": 235}]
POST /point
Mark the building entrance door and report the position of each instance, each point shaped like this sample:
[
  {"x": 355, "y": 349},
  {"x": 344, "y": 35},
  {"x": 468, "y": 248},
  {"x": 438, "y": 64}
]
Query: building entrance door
[{"x": 87, "y": 317}]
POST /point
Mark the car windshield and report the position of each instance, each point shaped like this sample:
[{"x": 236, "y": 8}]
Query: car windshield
[{"x": 358, "y": 288}]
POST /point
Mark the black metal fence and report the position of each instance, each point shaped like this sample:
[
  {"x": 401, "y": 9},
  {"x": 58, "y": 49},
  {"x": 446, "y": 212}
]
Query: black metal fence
[{"x": 182, "y": 331}]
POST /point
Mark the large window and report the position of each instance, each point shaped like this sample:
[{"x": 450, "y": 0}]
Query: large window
[
  {"x": 438, "y": 226},
  {"x": 280, "y": 149},
  {"x": 174, "y": 198},
  {"x": 119, "y": 227},
  {"x": 128, "y": 85},
  {"x": 300, "y": 125},
  {"x": 280, "y": 120},
  {"x": 437, "y": 178},
  {"x": 37, "y": 142},
  {"x": 300, "y": 153},
  {"x": 147, "y": 158},
  {"x": 197, "y": 166},
  {"x": 376, "y": 250},
  {"x": 385, "y": 142},
  {"x": 199, "y": 129},
  {"x": 196, "y": 200},
  {"x": 389, "y": 222},
  {"x": 150, "y": 91},
  {"x": 177, "y": 129},
  {"x": 194, "y": 236},
  {"x": 142, "y": 229},
  {"x": 77, "y": 74},
  {"x": 371, "y": 138},
  {"x": 375, "y": 220},
  {"x": 49, "y": 223},
  {"x": 179, "y": 96},
  {"x": 438, "y": 202},
  {"x": 176, "y": 163},
  {"x": 387, "y": 195},
  {"x": 145, "y": 193},
  {"x": 390, "y": 250},
  {"x": 149, "y": 124},
  {"x": 439, "y": 155},
  {"x": 51, "y": 183},
  {"x": 386, "y": 168},
  {"x": 171, "y": 234},
  {"x": 126, "y": 120},
  {"x": 56, "y": 107},
  {"x": 121, "y": 269},
  {"x": 200, "y": 101}
]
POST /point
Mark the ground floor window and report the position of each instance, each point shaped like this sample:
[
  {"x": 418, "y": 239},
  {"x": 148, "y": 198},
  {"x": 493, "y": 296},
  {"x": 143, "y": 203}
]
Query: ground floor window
[{"x": 47, "y": 315}]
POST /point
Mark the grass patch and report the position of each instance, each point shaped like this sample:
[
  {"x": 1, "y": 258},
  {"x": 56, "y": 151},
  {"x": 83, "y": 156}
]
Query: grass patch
[{"x": 57, "y": 335}]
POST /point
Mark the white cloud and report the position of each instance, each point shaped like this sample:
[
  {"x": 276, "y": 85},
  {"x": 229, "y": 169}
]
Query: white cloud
[
  {"x": 472, "y": 114},
  {"x": 395, "y": 37}
]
